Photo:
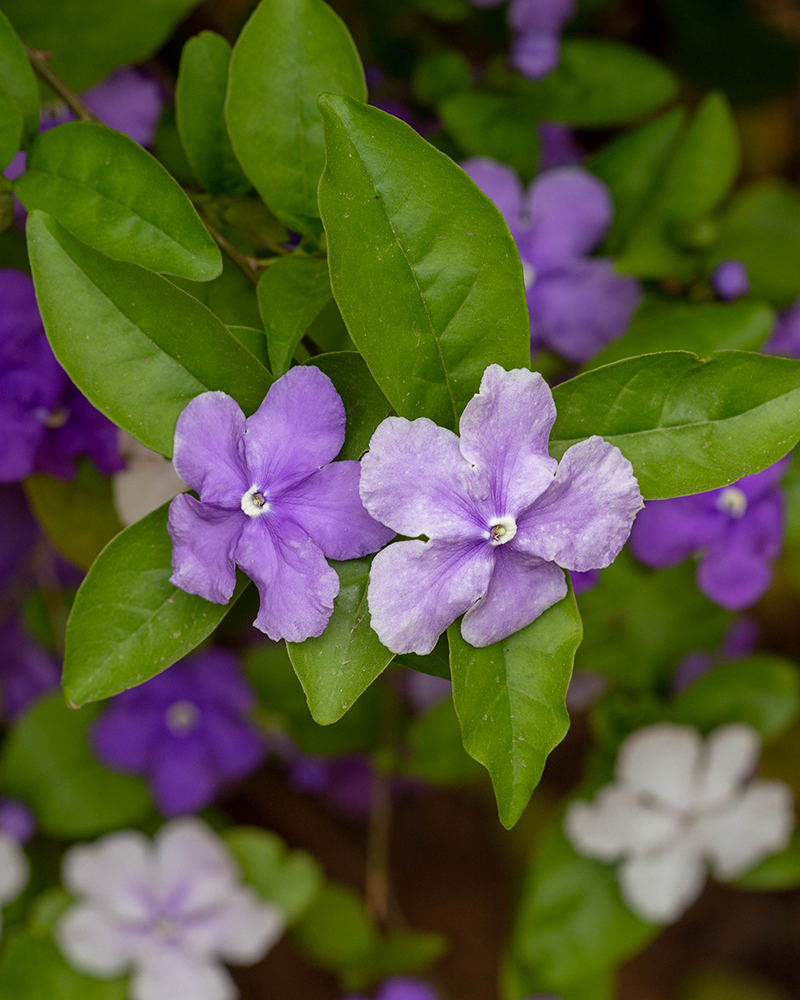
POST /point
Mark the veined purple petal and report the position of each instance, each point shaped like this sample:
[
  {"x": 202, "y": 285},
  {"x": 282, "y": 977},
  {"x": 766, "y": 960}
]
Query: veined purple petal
[
  {"x": 501, "y": 184},
  {"x": 417, "y": 589},
  {"x": 585, "y": 517},
  {"x": 521, "y": 588},
  {"x": 535, "y": 53},
  {"x": 209, "y": 450},
  {"x": 204, "y": 540},
  {"x": 540, "y": 15}
]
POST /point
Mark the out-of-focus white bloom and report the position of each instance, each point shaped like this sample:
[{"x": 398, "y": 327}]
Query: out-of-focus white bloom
[
  {"x": 680, "y": 805},
  {"x": 14, "y": 870},
  {"x": 171, "y": 910},
  {"x": 147, "y": 481}
]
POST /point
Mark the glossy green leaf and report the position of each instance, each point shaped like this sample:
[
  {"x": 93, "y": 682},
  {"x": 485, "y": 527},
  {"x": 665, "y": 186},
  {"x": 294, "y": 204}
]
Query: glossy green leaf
[
  {"x": 32, "y": 968},
  {"x": 780, "y": 871},
  {"x": 330, "y": 334},
  {"x": 686, "y": 425},
  {"x": 78, "y": 514},
  {"x": 46, "y": 761},
  {"x": 10, "y": 128},
  {"x": 254, "y": 340},
  {"x": 231, "y": 296},
  {"x": 17, "y": 76},
  {"x": 112, "y": 194},
  {"x": 493, "y": 125},
  {"x": 289, "y": 52},
  {"x": 138, "y": 347},
  {"x": 200, "y": 113},
  {"x": 510, "y": 700},
  {"x": 422, "y": 265},
  {"x": 291, "y": 294},
  {"x": 128, "y": 622},
  {"x": 337, "y": 667}
]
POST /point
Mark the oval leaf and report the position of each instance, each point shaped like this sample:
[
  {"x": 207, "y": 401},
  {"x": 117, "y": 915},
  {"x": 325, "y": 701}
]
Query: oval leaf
[
  {"x": 291, "y": 294},
  {"x": 10, "y": 128},
  {"x": 17, "y": 76}
]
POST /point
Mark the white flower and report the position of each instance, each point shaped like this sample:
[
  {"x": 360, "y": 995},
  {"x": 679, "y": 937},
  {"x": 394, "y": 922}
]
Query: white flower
[
  {"x": 14, "y": 870},
  {"x": 171, "y": 910},
  {"x": 681, "y": 804},
  {"x": 147, "y": 481}
]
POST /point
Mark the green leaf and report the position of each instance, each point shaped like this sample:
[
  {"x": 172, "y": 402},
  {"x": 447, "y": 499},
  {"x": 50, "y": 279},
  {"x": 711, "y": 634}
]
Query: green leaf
[
  {"x": 401, "y": 953},
  {"x": 780, "y": 871},
  {"x": 510, "y": 700},
  {"x": 291, "y": 294},
  {"x": 200, "y": 113},
  {"x": 254, "y": 340},
  {"x": 289, "y": 52},
  {"x": 762, "y": 690},
  {"x": 32, "y": 968},
  {"x": 422, "y": 265},
  {"x": 701, "y": 329},
  {"x": 493, "y": 125},
  {"x": 441, "y": 75},
  {"x": 686, "y": 425},
  {"x": 10, "y": 128},
  {"x": 337, "y": 667},
  {"x": 290, "y": 879},
  {"x": 46, "y": 762},
  {"x": 128, "y": 622},
  {"x": 112, "y": 194},
  {"x": 336, "y": 932},
  {"x": 435, "y": 664},
  {"x": 78, "y": 514},
  {"x": 138, "y": 347},
  {"x": 435, "y": 749},
  {"x": 231, "y": 296},
  {"x": 17, "y": 76}
]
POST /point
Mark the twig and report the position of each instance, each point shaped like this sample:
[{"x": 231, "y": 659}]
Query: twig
[
  {"x": 250, "y": 267},
  {"x": 379, "y": 835},
  {"x": 38, "y": 61}
]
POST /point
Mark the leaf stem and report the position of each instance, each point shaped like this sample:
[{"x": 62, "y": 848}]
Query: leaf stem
[
  {"x": 250, "y": 267},
  {"x": 38, "y": 61}
]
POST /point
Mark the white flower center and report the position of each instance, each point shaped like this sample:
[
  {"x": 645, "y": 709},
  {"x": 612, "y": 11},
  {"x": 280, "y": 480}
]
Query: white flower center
[
  {"x": 254, "y": 503},
  {"x": 165, "y": 928},
  {"x": 183, "y": 717},
  {"x": 732, "y": 501},
  {"x": 502, "y": 530},
  {"x": 528, "y": 274}
]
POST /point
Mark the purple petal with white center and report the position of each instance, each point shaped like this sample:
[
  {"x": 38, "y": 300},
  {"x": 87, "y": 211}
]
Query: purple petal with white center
[
  {"x": 111, "y": 874},
  {"x": 540, "y": 15},
  {"x": 418, "y": 589},
  {"x": 190, "y": 855},
  {"x": 92, "y": 942},
  {"x": 296, "y": 585},
  {"x": 501, "y": 184},
  {"x": 535, "y": 53},
  {"x": 327, "y": 505},
  {"x": 182, "y": 778},
  {"x": 731, "y": 756},
  {"x": 661, "y": 762},
  {"x": 169, "y": 974},
  {"x": 204, "y": 542},
  {"x": 521, "y": 588},
  {"x": 209, "y": 453},
  {"x": 668, "y": 531},
  {"x": 415, "y": 480},
  {"x": 241, "y": 929},
  {"x": 505, "y": 429},
  {"x": 582, "y": 521},
  {"x": 617, "y": 823},
  {"x": 660, "y": 887}
]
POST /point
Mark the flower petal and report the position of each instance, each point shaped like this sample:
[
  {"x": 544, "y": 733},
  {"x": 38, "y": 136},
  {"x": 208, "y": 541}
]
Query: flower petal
[
  {"x": 417, "y": 589},
  {"x": 169, "y": 974},
  {"x": 520, "y": 589},
  {"x": 539, "y": 15},
  {"x": 209, "y": 449},
  {"x": 661, "y": 761},
  {"x": 189, "y": 855},
  {"x": 617, "y": 823},
  {"x": 582, "y": 521},
  {"x": 731, "y": 756},
  {"x": 122, "y": 737},
  {"x": 204, "y": 539},
  {"x": 92, "y": 942},
  {"x": 734, "y": 577},
  {"x": 182, "y": 776},
  {"x": 296, "y": 585},
  {"x": 505, "y": 429},
  {"x": 14, "y": 868},
  {"x": 241, "y": 929},
  {"x": 236, "y": 747},
  {"x": 328, "y": 507},
  {"x": 535, "y": 53},
  {"x": 501, "y": 184},
  {"x": 112, "y": 873},
  {"x": 668, "y": 531},
  {"x": 660, "y": 887}
]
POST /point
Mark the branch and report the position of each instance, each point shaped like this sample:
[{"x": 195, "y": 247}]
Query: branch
[
  {"x": 250, "y": 267},
  {"x": 38, "y": 61}
]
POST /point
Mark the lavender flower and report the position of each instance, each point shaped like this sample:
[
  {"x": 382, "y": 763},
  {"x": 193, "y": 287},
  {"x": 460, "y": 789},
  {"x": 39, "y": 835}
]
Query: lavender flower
[
  {"x": 272, "y": 500},
  {"x": 577, "y": 305},
  {"x": 186, "y": 729},
  {"x": 499, "y": 514},
  {"x": 735, "y": 532},
  {"x": 730, "y": 280},
  {"x": 26, "y": 670},
  {"x": 785, "y": 339},
  {"x": 171, "y": 910},
  {"x": 402, "y": 988},
  {"x": 537, "y": 24},
  {"x": 45, "y": 422}
]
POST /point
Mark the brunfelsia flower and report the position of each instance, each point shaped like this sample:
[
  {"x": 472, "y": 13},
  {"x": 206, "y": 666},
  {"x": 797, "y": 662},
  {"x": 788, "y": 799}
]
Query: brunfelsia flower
[
  {"x": 735, "y": 532},
  {"x": 730, "y": 280},
  {"x": 577, "y": 304},
  {"x": 678, "y": 805},
  {"x": 171, "y": 911},
  {"x": 499, "y": 515},
  {"x": 536, "y": 24},
  {"x": 45, "y": 422},
  {"x": 26, "y": 670},
  {"x": 272, "y": 500},
  {"x": 186, "y": 729}
]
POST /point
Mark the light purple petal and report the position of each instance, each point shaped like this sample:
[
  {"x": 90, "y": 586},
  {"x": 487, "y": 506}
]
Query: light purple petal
[
  {"x": 417, "y": 589},
  {"x": 734, "y": 578},
  {"x": 785, "y": 339},
  {"x": 585, "y": 517},
  {"x": 241, "y": 929},
  {"x": 535, "y": 53},
  {"x": 668, "y": 531},
  {"x": 730, "y": 280},
  {"x": 92, "y": 942},
  {"x": 111, "y": 873},
  {"x": 521, "y": 588},
  {"x": 165, "y": 972},
  {"x": 189, "y": 854},
  {"x": 328, "y": 507},
  {"x": 501, "y": 184},
  {"x": 659, "y": 887},
  {"x": 296, "y": 585},
  {"x": 406, "y": 988},
  {"x": 209, "y": 449},
  {"x": 540, "y": 15},
  {"x": 204, "y": 540}
]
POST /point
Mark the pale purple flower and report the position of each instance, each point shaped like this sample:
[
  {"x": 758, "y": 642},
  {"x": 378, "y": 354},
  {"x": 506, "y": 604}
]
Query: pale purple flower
[
  {"x": 402, "y": 988},
  {"x": 537, "y": 24},
  {"x": 187, "y": 730},
  {"x": 735, "y": 532},
  {"x": 170, "y": 910},
  {"x": 45, "y": 422},
  {"x": 557, "y": 146},
  {"x": 16, "y": 820},
  {"x": 500, "y": 516},
  {"x": 272, "y": 500},
  {"x": 26, "y": 670},
  {"x": 785, "y": 339},
  {"x": 740, "y": 639},
  {"x": 577, "y": 304},
  {"x": 730, "y": 280}
]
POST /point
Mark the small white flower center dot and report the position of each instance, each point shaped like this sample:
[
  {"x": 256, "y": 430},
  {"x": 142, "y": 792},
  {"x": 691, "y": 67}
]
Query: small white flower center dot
[
  {"x": 502, "y": 530},
  {"x": 183, "y": 717},
  {"x": 166, "y": 928},
  {"x": 733, "y": 502},
  {"x": 528, "y": 274},
  {"x": 254, "y": 503}
]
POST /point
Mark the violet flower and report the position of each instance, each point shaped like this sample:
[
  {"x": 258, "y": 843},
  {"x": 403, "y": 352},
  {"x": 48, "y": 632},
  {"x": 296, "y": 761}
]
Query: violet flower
[
  {"x": 26, "y": 670},
  {"x": 45, "y": 422},
  {"x": 740, "y": 639},
  {"x": 187, "y": 730},
  {"x": 402, "y": 988},
  {"x": 501, "y": 517},
  {"x": 272, "y": 500},
  {"x": 735, "y": 532},
  {"x": 557, "y": 147},
  {"x": 16, "y": 820},
  {"x": 577, "y": 305},
  {"x": 785, "y": 339},
  {"x": 170, "y": 910},
  {"x": 19, "y": 531},
  {"x": 345, "y": 782},
  {"x": 537, "y": 24},
  {"x": 730, "y": 280}
]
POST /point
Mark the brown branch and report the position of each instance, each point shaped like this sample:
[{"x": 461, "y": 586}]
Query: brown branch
[
  {"x": 250, "y": 267},
  {"x": 38, "y": 61}
]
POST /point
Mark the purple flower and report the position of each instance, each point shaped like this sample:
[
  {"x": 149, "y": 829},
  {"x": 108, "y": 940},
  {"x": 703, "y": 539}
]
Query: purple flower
[
  {"x": 345, "y": 782},
  {"x": 730, "y": 280},
  {"x": 577, "y": 305},
  {"x": 402, "y": 988},
  {"x": 735, "y": 532},
  {"x": 19, "y": 530},
  {"x": 423, "y": 691},
  {"x": 26, "y": 670},
  {"x": 16, "y": 820},
  {"x": 272, "y": 500},
  {"x": 740, "y": 639},
  {"x": 500, "y": 516},
  {"x": 785, "y": 339},
  {"x": 557, "y": 147},
  {"x": 186, "y": 729},
  {"x": 45, "y": 422},
  {"x": 537, "y": 25},
  {"x": 581, "y": 582}
]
